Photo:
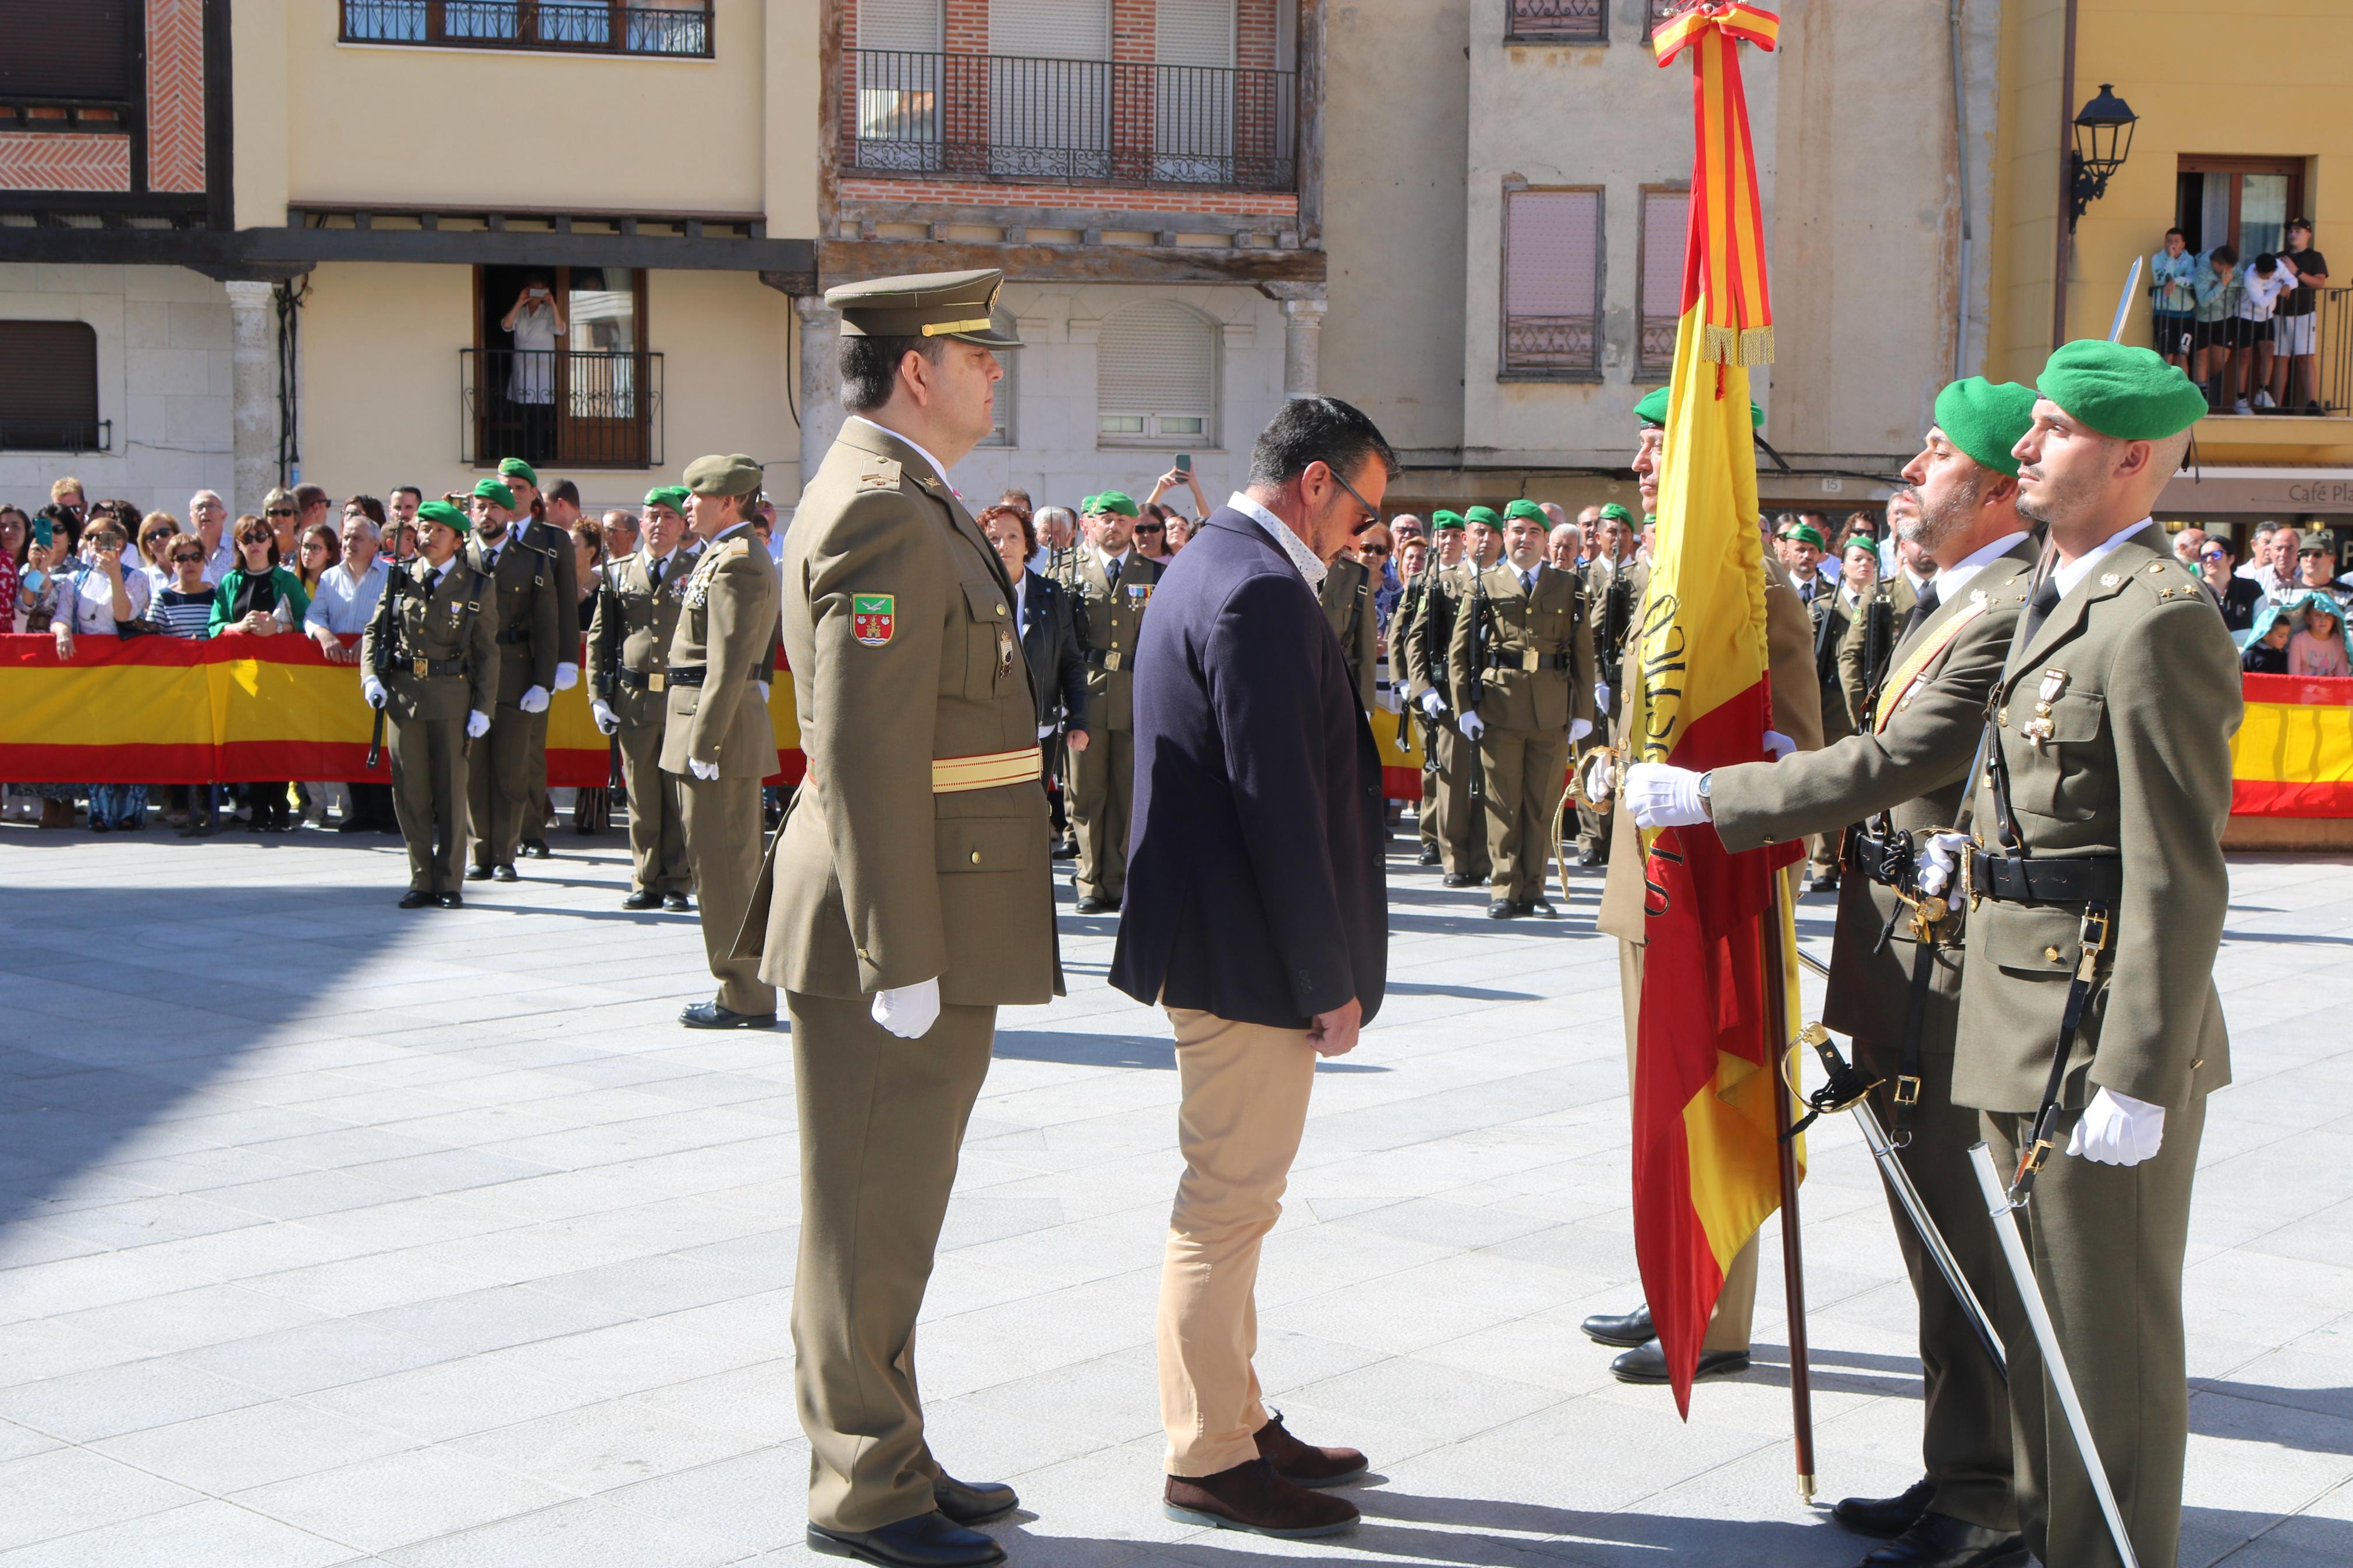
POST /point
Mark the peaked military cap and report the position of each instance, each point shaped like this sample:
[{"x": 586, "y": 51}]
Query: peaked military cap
[
  {"x": 717, "y": 476},
  {"x": 925, "y": 305}
]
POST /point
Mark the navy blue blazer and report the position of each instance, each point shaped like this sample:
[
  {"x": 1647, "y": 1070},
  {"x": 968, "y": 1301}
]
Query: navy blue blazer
[
  {"x": 1256, "y": 883},
  {"x": 1058, "y": 670}
]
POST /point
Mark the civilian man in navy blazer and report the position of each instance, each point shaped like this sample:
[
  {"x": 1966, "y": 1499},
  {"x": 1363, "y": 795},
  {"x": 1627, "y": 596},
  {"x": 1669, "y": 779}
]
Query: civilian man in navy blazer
[{"x": 1257, "y": 916}]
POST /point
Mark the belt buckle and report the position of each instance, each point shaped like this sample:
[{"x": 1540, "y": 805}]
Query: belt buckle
[
  {"x": 419, "y": 667},
  {"x": 1111, "y": 661},
  {"x": 1531, "y": 661},
  {"x": 1970, "y": 895},
  {"x": 656, "y": 682},
  {"x": 1907, "y": 1089}
]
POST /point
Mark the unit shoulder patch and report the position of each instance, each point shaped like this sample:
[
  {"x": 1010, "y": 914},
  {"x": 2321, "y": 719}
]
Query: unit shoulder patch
[
  {"x": 873, "y": 618},
  {"x": 879, "y": 474}
]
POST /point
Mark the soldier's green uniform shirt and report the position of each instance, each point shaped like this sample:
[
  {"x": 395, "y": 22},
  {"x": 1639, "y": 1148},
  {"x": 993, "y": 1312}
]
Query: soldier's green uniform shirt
[
  {"x": 1346, "y": 598},
  {"x": 426, "y": 711},
  {"x": 522, "y": 606},
  {"x": 1108, "y": 601},
  {"x": 1461, "y": 825}
]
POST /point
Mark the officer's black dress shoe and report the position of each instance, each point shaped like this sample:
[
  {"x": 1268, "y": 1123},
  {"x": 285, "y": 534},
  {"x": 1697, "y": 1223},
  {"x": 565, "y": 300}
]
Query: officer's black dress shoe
[
  {"x": 712, "y": 1015},
  {"x": 478, "y": 873},
  {"x": 1092, "y": 905},
  {"x": 1886, "y": 1517},
  {"x": 1588, "y": 857},
  {"x": 1503, "y": 910},
  {"x": 453, "y": 900},
  {"x": 416, "y": 899},
  {"x": 1624, "y": 1330},
  {"x": 643, "y": 898},
  {"x": 1066, "y": 851},
  {"x": 1648, "y": 1363},
  {"x": 1541, "y": 908},
  {"x": 927, "y": 1540},
  {"x": 504, "y": 874},
  {"x": 674, "y": 902},
  {"x": 536, "y": 847},
  {"x": 1455, "y": 879},
  {"x": 971, "y": 1503},
  {"x": 1825, "y": 883},
  {"x": 1940, "y": 1540},
  {"x": 1429, "y": 856}
]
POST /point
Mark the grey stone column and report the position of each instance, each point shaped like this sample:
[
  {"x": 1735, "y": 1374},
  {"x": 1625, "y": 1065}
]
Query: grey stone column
[
  {"x": 1303, "y": 305},
  {"x": 821, "y": 383},
  {"x": 253, "y": 386}
]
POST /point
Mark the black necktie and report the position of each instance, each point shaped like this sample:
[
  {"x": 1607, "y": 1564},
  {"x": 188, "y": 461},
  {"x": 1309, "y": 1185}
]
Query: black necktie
[
  {"x": 1111, "y": 572},
  {"x": 1528, "y": 582},
  {"x": 1921, "y": 611},
  {"x": 2046, "y": 599},
  {"x": 432, "y": 580}
]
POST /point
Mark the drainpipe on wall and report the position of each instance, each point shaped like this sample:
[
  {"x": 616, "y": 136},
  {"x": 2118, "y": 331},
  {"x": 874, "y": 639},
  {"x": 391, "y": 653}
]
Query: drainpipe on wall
[
  {"x": 2063, "y": 249},
  {"x": 1961, "y": 167}
]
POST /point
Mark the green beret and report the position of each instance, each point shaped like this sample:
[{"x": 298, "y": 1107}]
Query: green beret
[
  {"x": 1653, "y": 410},
  {"x": 1113, "y": 500},
  {"x": 1650, "y": 520},
  {"x": 1485, "y": 515},
  {"x": 516, "y": 468},
  {"x": 1441, "y": 519},
  {"x": 490, "y": 489},
  {"x": 2127, "y": 394},
  {"x": 717, "y": 476},
  {"x": 1526, "y": 509},
  {"x": 1613, "y": 512},
  {"x": 670, "y": 496},
  {"x": 449, "y": 516},
  {"x": 1805, "y": 534},
  {"x": 1985, "y": 419}
]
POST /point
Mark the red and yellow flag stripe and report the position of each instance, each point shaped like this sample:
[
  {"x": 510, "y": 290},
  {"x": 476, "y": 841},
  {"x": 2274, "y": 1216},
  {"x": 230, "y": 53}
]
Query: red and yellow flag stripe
[{"x": 2293, "y": 755}]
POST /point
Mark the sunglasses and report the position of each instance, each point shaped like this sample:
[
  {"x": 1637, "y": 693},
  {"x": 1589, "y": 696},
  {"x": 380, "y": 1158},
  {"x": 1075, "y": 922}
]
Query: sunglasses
[
  {"x": 1151, "y": 528},
  {"x": 1372, "y": 550},
  {"x": 280, "y": 512}
]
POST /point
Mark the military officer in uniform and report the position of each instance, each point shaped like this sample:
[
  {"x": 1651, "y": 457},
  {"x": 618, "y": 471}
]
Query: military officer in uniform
[
  {"x": 717, "y": 740},
  {"x": 1521, "y": 665},
  {"x": 2097, "y": 891},
  {"x": 912, "y": 892},
  {"x": 1616, "y": 578},
  {"x": 1866, "y": 651},
  {"x": 552, "y": 540},
  {"x": 1911, "y": 765},
  {"x": 439, "y": 685},
  {"x": 1412, "y": 600},
  {"x": 1346, "y": 598},
  {"x": 1111, "y": 585},
  {"x": 1461, "y": 822},
  {"x": 521, "y": 603},
  {"x": 628, "y": 669},
  {"x": 1797, "y": 724}
]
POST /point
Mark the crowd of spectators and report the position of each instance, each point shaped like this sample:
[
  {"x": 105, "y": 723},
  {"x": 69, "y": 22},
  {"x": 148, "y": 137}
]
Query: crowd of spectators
[{"x": 2245, "y": 328}]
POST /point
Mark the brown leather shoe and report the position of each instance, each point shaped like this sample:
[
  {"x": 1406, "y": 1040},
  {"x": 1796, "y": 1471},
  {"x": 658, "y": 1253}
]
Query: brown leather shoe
[
  {"x": 1302, "y": 1465},
  {"x": 1251, "y": 1497}
]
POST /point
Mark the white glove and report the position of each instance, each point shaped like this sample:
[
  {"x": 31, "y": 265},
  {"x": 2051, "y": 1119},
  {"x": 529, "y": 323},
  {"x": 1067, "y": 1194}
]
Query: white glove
[
  {"x": 1471, "y": 726},
  {"x": 535, "y": 700},
  {"x": 1662, "y": 797},
  {"x": 702, "y": 770},
  {"x": 764, "y": 690},
  {"x": 1601, "y": 776},
  {"x": 1777, "y": 743},
  {"x": 908, "y": 1011},
  {"x": 608, "y": 721},
  {"x": 373, "y": 690},
  {"x": 2117, "y": 1129},
  {"x": 478, "y": 724},
  {"x": 1935, "y": 866},
  {"x": 567, "y": 676},
  {"x": 1432, "y": 703},
  {"x": 1579, "y": 728},
  {"x": 1601, "y": 695}
]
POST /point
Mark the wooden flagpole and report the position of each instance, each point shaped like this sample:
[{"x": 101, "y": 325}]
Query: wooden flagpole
[{"x": 1793, "y": 1262}]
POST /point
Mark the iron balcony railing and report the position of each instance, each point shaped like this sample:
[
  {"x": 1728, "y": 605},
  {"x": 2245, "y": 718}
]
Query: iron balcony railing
[
  {"x": 680, "y": 27},
  {"x": 1558, "y": 21},
  {"x": 1554, "y": 348},
  {"x": 596, "y": 409},
  {"x": 1002, "y": 117},
  {"x": 2321, "y": 384}
]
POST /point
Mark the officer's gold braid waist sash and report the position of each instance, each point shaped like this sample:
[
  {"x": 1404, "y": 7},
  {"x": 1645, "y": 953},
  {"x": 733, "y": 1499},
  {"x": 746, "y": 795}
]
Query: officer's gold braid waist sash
[{"x": 954, "y": 775}]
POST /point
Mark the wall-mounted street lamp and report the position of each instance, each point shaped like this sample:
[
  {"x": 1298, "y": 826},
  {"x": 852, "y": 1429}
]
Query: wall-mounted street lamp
[{"x": 2102, "y": 142}]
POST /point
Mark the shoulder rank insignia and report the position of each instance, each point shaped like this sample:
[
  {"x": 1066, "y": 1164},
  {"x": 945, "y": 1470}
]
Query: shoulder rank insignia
[
  {"x": 879, "y": 474},
  {"x": 2156, "y": 568},
  {"x": 873, "y": 618},
  {"x": 2110, "y": 579}
]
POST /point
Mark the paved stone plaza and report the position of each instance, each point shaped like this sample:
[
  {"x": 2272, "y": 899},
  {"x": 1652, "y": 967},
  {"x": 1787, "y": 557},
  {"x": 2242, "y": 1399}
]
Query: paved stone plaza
[{"x": 339, "y": 1235}]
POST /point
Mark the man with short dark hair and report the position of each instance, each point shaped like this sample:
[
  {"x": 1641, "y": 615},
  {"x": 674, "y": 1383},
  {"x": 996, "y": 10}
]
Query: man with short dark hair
[
  {"x": 315, "y": 505},
  {"x": 1257, "y": 918},
  {"x": 552, "y": 536},
  {"x": 2296, "y": 339}
]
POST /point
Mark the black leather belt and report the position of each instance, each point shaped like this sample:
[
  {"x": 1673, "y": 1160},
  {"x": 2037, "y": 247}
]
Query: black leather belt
[
  {"x": 2064, "y": 879},
  {"x": 432, "y": 666},
  {"x": 653, "y": 679},
  {"x": 696, "y": 675},
  {"x": 515, "y": 634},
  {"x": 1527, "y": 659},
  {"x": 1108, "y": 658}
]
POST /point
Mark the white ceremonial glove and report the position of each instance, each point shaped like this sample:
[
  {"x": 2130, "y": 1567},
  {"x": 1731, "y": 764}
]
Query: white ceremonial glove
[
  {"x": 608, "y": 721},
  {"x": 1579, "y": 728},
  {"x": 373, "y": 690},
  {"x": 1601, "y": 776},
  {"x": 1432, "y": 703},
  {"x": 1601, "y": 695},
  {"x": 567, "y": 676},
  {"x": 908, "y": 1011},
  {"x": 1777, "y": 743},
  {"x": 1662, "y": 797},
  {"x": 535, "y": 700},
  {"x": 764, "y": 690},
  {"x": 478, "y": 724},
  {"x": 1471, "y": 726},
  {"x": 701, "y": 769},
  {"x": 2117, "y": 1129},
  {"x": 1936, "y": 864}
]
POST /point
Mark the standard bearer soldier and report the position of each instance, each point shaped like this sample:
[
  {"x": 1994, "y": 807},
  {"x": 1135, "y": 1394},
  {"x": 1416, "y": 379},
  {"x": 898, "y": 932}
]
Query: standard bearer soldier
[
  {"x": 2090, "y": 1031},
  {"x": 1111, "y": 585},
  {"x": 1462, "y": 834},
  {"x": 521, "y": 606},
  {"x": 1520, "y": 666},
  {"x": 1346, "y": 598},
  {"x": 1615, "y": 580},
  {"x": 1896, "y": 976},
  {"x": 1797, "y": 725},
  {"x": 717, "y": 740},
  {"x": 552, "y": 540},
  {"x": 629, "y": 669},
  {"x": 912, "y": 892},
  {"x": 429, "y": 660}
]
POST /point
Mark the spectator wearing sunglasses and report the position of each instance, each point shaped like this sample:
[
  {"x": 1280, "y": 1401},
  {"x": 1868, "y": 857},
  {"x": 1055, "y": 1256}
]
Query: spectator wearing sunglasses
[
  {"x": 2237, "y": 597},
  {"x": 1152, "y": 533},
  {"x": 183, "y": 607}
]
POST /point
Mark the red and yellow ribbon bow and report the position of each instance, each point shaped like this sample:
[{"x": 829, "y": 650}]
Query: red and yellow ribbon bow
[{"x": 1724, "y": 251}]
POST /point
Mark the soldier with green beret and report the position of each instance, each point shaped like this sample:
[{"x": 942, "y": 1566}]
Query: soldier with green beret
[
  {"x": 2097, "y": 891},
  {"x": 717, "y": 740},
  {"x": 913, "y": 891},
  {"x": 520, "y": 603},
  {"x": 1905, "y": 772},
  {"x": 1430, "y": 685},
  {"x": 1111, "y": 585},
  {"x": 1616, "y": 578},
  {"x": 534, "y": 531},
  {"x": 639, "y": 601},
  {"x": 430, "y": 662},
  {"x": 1347, "y": 598}
]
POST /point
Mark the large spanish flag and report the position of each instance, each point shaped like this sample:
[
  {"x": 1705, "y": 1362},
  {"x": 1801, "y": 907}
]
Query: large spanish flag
[
  {"x": 2293, "y": 755},
  {"x": 1707, "y": 1169}
]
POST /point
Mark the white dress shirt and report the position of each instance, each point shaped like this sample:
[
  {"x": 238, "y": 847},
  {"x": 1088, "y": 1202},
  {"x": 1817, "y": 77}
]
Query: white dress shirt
[
  {"x": 1953, "y": 579},
  {"x": 1310, "y": 567},
  {"x": 93, "y": 596},
  {"x": 2075, "y": 570}
]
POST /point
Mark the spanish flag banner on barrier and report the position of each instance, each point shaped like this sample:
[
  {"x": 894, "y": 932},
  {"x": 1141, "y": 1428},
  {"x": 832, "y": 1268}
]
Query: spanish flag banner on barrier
[
  {"x": 237, "y": 708},
  {"x": 2293, "y": 755},
  {"x": 1706, "y": 1162}
]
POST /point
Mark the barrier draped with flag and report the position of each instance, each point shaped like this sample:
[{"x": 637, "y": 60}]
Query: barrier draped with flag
[
  {"x": 1706, "y": 1111},
  {"x": 2293, "y": 755}
]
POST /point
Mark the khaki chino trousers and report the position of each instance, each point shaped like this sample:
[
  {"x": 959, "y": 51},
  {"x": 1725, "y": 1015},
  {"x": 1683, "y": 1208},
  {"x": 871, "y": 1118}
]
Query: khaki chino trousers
[
  {"x": 499, "y": 785},
  {"x": 1102, "y": 790},
  {"x": 657, "y": 862}
]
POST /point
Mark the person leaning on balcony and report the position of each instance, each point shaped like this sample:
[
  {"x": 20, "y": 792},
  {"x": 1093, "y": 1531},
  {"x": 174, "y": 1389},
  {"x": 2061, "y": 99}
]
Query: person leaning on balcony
[
  {"x": 536, "y": 321},
  {"x": 2295, "y": 370},
  {"x": 2173, "y": 301}
]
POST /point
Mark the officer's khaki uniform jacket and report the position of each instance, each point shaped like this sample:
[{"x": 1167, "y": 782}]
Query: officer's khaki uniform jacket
[
  {"x": 727, "y": 623},
  {"x": 1522, "y": 628},
  {"x": 1346, "y": 598},
  {"x": 632, "y": 627},
  {"x": 1600, "y": 574},
  {"x": 1109, "y": 621},
  {"x": 524, "y": 610},
  {"x": 902, "y": 862},
  {"x": 462, "y": 658}
]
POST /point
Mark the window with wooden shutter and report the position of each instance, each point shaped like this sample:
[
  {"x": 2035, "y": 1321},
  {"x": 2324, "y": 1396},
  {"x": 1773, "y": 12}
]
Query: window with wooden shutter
[
  {"x": 1192, "y": 90},
  {"x": 1552, "y": 284},
  {"x": 1156, "y": 377},
  {"x": 1660, "y": 299},
  {"x": 74, "y": 50},
  {"x": 49, "y": 394},
  {"x": 1049, "y": 88}
]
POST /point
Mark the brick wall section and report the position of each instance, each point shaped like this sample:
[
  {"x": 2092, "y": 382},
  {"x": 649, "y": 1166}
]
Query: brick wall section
[
  {"x": 1085, "y": 198},
  {"x": 1254, "y": 34}
]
